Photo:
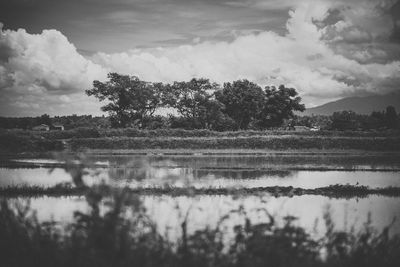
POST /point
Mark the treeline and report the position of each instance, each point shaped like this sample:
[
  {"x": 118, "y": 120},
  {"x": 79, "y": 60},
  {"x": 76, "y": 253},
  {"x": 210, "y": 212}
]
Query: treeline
[
  {"x": 69, "y": 122},
  {"x": 351, "y": 121},
  {"x": 339, "y": 121},
  {"x": 199, "y": 103}
]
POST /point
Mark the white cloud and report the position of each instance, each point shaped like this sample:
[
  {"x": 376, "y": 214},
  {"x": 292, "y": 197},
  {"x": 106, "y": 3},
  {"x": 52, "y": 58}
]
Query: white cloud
[
  {"x": 47, "y": 59},
  {"x": 302, "y": 59},
  {"x": 45, "y": 71},
  {"x": 36, "y": 68}
]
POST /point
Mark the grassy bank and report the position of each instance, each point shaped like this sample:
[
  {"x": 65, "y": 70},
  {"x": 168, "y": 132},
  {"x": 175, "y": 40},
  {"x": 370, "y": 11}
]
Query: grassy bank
[
  {"x": 271, "y": 143},
  {"x": 17, "y": 141}
]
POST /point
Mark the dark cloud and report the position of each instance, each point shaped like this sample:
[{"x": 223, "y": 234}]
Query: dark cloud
[{"x": 114, "y": 26}]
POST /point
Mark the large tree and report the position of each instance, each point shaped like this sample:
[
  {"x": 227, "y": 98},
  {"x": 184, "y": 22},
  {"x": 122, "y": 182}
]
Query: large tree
[
  {"x": 130, "y": 100},
  {"x": 243, "y": 101},
  {"x": 194, "y": 101},
  {"x": 279, "y": 105}
]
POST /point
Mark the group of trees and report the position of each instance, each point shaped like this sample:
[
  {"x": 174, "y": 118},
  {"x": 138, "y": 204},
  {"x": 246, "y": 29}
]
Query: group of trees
[
  {"x": 69, "y": 122},
  {"x": 200, "y": 103},
  {"x": 349, "y": 120}
]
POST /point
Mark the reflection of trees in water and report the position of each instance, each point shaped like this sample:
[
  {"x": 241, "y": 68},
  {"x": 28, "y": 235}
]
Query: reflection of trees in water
[
  {"x": 242, "y": 174},
  {"x": 347, "y": 161},
  {"x": 143, "y": 170}
]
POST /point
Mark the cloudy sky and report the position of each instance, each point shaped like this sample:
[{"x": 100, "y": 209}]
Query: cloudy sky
[{"x": 52, "y": 50}]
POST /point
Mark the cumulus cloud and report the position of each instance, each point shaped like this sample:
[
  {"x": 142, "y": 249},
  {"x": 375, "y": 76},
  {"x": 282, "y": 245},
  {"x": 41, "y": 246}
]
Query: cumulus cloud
[
  {"x": 37, "y": 68},
  {"x": 329, "y": 50},
  {"x": 304, "y": 58}
]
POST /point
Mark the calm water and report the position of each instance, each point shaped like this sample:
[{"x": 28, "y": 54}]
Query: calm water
[
  {"x": 307, "y": 171},
  {"x": 150, "y": 176}
]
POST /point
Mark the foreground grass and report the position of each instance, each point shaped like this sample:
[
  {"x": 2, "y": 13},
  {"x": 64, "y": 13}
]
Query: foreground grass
[
  {"x": 121, "y": 234},
  {"x": 333, "y": 191}
]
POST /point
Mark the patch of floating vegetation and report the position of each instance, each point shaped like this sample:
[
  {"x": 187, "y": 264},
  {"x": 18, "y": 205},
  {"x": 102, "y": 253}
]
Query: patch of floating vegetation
[{"x": 333, "y": 191}]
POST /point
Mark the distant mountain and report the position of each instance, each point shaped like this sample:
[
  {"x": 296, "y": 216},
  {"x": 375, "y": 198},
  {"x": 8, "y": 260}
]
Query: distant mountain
[{"x": 360, "y": 105}]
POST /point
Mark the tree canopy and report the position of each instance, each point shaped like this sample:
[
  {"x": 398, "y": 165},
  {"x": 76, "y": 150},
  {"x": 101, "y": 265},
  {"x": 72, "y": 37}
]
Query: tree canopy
[
  {"x": 129, "y": 99},
  {"x": 279, "y": 105},
  {"x": 200, "y": 103}
]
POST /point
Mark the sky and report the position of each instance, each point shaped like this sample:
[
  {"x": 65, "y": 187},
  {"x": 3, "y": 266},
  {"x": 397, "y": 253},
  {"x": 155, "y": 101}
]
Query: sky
[{"x": 52, "y": 50}]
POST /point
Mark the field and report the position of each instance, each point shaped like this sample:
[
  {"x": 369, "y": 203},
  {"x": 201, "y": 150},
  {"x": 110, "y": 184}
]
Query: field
[{"x": 199, "y": 198}]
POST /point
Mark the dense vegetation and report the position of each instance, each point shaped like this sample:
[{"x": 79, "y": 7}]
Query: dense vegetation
[
  {"x": 339, "y": 121},
  {"x": 69, "y": 122},
  {"x": 23, "y": 141},
  {"x": 349, "y": 120},
  {"x": 117, "y": 232}
]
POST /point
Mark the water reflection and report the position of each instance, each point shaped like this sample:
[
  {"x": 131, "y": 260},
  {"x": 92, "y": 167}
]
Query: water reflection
[
  {"x": 277, "y": 161},
  {"x": 46, "y": 177},
  {"x": 340, "y": 161},
  {"x": 203, "y": 211},
  {"x": 201, "y": 171},
  {"x": 144, "y": 175}
]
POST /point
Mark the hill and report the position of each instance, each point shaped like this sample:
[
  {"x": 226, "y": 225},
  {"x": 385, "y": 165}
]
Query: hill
[{"x": 360, "y": 105}]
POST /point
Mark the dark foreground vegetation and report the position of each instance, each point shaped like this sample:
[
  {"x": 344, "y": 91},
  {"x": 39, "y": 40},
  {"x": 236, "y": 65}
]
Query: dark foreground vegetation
[{"x": 117, "y": 232}]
